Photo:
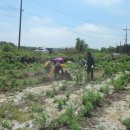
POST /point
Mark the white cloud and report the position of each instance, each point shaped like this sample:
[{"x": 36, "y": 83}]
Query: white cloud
[
  {"x": 98, "y": 36},
  {"x": 104, "y": 2},
  {"x": 43, "y": 21},
  {"x": 41, "y": 35}
]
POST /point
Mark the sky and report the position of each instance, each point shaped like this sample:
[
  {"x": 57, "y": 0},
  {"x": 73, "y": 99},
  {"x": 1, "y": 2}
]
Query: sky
[{"x": 57, "y": 23}]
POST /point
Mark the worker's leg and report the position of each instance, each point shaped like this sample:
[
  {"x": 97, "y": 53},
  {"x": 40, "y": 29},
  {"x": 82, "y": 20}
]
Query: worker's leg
[
  {"x": 88, "y": 72},
  {"x": 92, "y": 75}
]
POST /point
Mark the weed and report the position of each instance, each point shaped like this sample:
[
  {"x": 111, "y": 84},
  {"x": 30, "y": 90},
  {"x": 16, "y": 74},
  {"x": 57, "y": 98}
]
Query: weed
[
  {"x": 101, "y": 128},
  {"x": 60, "y": 102},
  {"x": 6, "y": 124},
  {"x": 67, "y": 119},
  {"x": 126, "y": 122},
  {"x": 41, "y": 119},
  {"x": 67, "y": 94},
  {"x": 121, "y": 82},
  {"x": 50, "y": 93},
  {"x": 93, "y": 97},
  {"x": 75, "y": 125},
  {"x": 32, "y": 97},
  {"x": 87, "y": 109},
  {"x": 104, "y": 89},
  {"x": 37, "y": 108}
]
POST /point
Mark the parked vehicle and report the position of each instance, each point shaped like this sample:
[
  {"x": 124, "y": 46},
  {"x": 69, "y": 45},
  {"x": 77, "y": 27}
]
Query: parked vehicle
[{"x": 41, "y": 50}]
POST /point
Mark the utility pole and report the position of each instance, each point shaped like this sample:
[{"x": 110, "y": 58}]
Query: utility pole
[
  {"x": 126, "y": 29},
  {"x": 20, "y": 21}
]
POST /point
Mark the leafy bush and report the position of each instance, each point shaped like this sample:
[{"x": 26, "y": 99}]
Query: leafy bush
[
  {"x": 104, "y": 89},
  {"x": 126, "y": 122},
  {"x": 121, "y": 82},
  {"x": 60, "y": 102},
  {"x": 68, "y": 118},
  {"x": 3, "y": 85},
  {"x": 87, "y": 109},
  {"x": 6, "y": 124},
  {"x": 93, "y": 97},
  {"x": 41, "y": 119}
]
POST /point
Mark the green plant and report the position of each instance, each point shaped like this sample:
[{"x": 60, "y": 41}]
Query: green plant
[
  {"x": 60, "y": 102},
  {"x": 121, "y": 82},
  {"x": 3, "y": 85},
  {"x": 104, "y": 89},
  {"x": 32, "y": 97},
  {"x": 14, "y": 85},
  {"x": 68, "y": 118},
  {"x": 67, "y": 94},
  {"x": 93, "y": 97},
  {"x": 36, "y": 108},
  {"x": 126, "y": 122},
  {"x": 101, "y": 128},
  {"x": 87, "y": 109},
  {"x": 79, "y": 77},
  {"x": 6, "y": 124},
  {"x": 41, "y": 119},
  {"x": 64, "y": 86},
  {"x": 75, "y": 125},
  {"x": 50, "y": 93}
]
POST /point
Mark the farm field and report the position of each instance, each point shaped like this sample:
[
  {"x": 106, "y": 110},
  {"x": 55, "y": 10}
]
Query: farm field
[{"x": 31, "y": 101}]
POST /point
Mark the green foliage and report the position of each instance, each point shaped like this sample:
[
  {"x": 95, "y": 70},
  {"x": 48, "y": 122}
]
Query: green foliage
[
  {"x": 75, "y": 125},
  {"x": 32, "y": 97},
  {"x": 36, "y": 108},
  {"x": 110, "y": 69},
  {"x": 126, "y": 122},
  {"x": 12, "y": 112},
  {"x": 81, "y": 46},
  {"x": 14, "y": 85},
  {"x": 3, "y": 85},
  {"x": 6, "y": 124},
  {"x": 87, "y": 109},
  {"x": 67, "y": 94},
  {"x": 121, "y": 82},
  {"x": 79, "y": 78},
  {"x": 7, "y": 48},
  {"x": 60, "y": 102},
  {"x": 68, "y": 118},
  {"x": 93, "y": 97},
  {"x": 41, "y": 119},
  {"x": 50, "y": 93},
  {"x": 101, "y": 128},
  {"x": 64, "y": 86},
  {"x": 104, "y": 89}
]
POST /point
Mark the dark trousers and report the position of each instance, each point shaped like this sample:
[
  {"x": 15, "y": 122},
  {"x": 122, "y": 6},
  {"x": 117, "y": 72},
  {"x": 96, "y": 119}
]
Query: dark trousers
[
  {"x": 90, "y": 72},
  {"x": 57, "y": 74}
]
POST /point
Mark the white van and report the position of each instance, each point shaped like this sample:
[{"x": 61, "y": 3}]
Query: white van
[{"x": 41, "y": 50}]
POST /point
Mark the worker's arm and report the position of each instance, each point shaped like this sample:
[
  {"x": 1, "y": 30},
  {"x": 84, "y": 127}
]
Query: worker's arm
[
  {"x": 52, "y": 71},
  {"x": 63, "y": 65}
]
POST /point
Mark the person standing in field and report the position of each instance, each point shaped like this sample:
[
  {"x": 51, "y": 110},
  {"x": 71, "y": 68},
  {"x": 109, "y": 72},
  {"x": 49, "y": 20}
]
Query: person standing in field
[{"x": 90, "y": 65}]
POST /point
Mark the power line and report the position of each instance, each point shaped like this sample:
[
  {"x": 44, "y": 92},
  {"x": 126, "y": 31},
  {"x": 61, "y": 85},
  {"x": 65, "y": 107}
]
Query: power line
[
  {"x": 20, "y": 20},
  {"x": 9, "y": 15},
  {"x": 78, "y": 16},
  {"x": 8, "y": 6},
  {"x": 60, "y": 11}
]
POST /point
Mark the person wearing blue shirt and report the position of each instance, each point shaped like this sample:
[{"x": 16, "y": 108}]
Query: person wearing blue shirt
[{"x": 90, "y": 65}]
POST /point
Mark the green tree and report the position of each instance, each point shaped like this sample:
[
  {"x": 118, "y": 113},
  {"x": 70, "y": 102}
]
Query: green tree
[{"x": 81, "y": 46}]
